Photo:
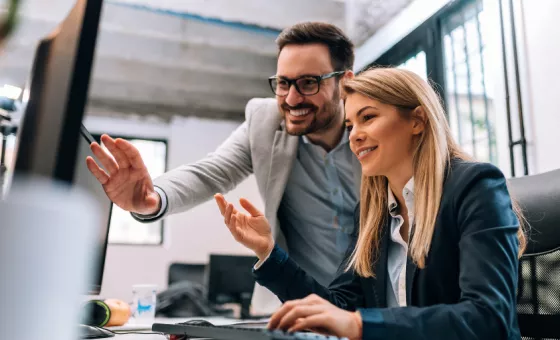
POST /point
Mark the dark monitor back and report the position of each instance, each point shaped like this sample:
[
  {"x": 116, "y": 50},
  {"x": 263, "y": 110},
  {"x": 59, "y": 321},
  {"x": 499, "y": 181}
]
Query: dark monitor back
[
  {"x": 230, "y": 278},
  {"x": 84, "y": 179},
  {"x": 49, "y": 143},
  {"x": 50, "y": 128},
  {"x": 187, "y": 272}
]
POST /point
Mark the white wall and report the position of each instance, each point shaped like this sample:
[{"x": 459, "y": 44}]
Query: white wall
[
  {"x": 541, "y": 71},
  {"x": 190, "y": 236}
]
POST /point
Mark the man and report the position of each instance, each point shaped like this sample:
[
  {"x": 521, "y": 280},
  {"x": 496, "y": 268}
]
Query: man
[{"x": 296, "y": 146}]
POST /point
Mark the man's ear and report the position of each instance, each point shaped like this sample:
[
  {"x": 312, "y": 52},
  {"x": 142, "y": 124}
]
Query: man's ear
[
  {"x": 419, "y": 120},
  {"x": 348, "y": 74}
]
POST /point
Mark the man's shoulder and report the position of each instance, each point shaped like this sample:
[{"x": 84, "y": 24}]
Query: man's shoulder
[{"x": 263, "y": 111}]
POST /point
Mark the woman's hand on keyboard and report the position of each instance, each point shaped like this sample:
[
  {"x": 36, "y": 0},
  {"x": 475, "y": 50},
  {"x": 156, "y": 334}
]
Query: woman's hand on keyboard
[
  {"x": 251, "y": 230},
  {"x": 318, "y": 315}
]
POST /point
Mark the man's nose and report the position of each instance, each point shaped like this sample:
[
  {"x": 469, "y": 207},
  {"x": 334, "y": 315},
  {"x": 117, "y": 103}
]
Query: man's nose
[{"x": 294, "y": 97}]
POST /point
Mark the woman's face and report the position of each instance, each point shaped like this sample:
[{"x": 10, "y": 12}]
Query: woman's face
[{"x": 381, "y": 138}]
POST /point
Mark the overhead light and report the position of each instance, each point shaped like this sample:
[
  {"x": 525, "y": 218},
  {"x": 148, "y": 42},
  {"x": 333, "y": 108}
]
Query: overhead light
[{"x": 10, "y": 92}]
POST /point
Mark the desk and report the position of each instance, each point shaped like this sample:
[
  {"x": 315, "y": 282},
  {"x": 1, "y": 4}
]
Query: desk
[{"x": 132, "y": 327}]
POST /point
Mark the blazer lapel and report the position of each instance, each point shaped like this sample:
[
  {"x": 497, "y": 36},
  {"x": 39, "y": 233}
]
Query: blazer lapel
[
  {"x": 380, "y": 269},
  {"x": 411, "y": 269},
  {"x": 284, "y": 151}
]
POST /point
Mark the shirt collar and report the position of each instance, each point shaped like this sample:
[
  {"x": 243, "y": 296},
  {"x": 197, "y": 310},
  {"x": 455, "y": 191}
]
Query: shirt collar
[
  {"x": 345, "y": 139},
  {"x": 408, "y": 190}
]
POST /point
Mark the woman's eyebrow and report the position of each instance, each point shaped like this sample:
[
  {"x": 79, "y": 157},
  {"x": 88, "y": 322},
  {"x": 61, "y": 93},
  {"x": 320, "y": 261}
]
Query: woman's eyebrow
[{"x": 362, "y": 111}]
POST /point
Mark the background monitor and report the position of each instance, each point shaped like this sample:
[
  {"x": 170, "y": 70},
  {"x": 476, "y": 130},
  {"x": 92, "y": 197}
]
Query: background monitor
[{"x": 230, "y": 280}]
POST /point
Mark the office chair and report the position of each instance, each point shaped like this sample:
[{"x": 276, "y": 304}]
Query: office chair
[{"x": 538, "y": 298}]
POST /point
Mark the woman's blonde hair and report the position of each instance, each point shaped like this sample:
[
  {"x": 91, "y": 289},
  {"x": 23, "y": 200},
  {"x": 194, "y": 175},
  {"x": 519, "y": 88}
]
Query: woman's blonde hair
[{"x": 436, "y": 147}]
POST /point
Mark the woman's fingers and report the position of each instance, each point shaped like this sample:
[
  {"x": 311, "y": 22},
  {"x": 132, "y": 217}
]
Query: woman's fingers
[
  {"x": 222, "y": 203},
  {"x": 250, "y": 208},
  {"x": 301, "y": 311},
  {"x": 227, "y": 213},
  {"x": 279, "y": 314},
  {"x": 312, "y": 299},
  {"x": 314, "y": 322}
]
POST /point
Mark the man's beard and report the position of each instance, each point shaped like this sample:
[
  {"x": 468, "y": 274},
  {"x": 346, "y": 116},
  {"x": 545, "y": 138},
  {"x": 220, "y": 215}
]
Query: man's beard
[{"x": 322, "y": 119}]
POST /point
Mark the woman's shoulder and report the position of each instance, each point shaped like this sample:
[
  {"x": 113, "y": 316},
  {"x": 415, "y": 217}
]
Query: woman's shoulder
[
  {"x": 466, "y": 176},
  {"x": 461, "y": 170}
]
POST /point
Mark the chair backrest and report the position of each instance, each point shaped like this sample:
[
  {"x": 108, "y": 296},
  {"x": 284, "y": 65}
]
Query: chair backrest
[
  {"x": 187, "y": 272},
  {"x": 538, "y": 300}
]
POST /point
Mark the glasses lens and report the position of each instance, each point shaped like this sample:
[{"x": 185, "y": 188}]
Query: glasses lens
[
  {"x": 280, "y": 86},
  {"x": 308, "y": 85}
]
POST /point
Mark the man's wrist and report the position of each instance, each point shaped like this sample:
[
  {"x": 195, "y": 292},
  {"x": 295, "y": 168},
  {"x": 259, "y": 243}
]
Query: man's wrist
[
  {"x": 158, "y": 207},
  {"x": 161, "y": 206}
]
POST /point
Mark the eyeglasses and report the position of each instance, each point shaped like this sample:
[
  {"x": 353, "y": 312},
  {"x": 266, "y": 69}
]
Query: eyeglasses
[{"x": 305, "y": 85}]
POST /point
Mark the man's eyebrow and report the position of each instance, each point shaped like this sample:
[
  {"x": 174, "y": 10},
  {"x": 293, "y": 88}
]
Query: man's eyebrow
[{"x": 301, "y": 75}]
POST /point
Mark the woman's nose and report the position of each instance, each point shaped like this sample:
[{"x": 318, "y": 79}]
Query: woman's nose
[{"x": 356, "y": 135}]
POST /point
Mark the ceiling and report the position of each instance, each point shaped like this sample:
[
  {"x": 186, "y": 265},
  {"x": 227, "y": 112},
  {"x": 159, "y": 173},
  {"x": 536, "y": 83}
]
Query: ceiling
[{"x": 162, "y": 58}]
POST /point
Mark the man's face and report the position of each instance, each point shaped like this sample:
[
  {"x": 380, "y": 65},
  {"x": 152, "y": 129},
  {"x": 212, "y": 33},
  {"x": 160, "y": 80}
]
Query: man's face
[{"x": 308, "y": 114}]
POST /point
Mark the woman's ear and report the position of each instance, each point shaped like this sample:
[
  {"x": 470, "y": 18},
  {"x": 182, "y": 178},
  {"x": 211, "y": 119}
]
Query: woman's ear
[{"x": 419, "y": 120}]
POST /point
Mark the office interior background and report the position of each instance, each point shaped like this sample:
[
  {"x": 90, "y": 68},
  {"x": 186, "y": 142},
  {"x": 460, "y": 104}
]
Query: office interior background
[{"x": 174, "y": 77}]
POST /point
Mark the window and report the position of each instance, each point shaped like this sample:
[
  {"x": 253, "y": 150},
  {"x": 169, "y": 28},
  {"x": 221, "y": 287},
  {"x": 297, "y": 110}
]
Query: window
[
  {"x": 123, "y": 228},
  {"x": 469, "y": 101},
  {"x": 416, "y": 64},
  {"x": 451, "y": 50}
]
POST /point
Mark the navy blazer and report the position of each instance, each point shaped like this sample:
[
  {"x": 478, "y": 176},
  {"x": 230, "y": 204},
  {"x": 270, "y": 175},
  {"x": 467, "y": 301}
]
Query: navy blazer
[{"x": 467, "y": 290}]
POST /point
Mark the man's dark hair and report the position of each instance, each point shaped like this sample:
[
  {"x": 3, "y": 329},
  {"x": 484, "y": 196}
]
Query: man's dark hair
[{"x": 340, "y": 47}]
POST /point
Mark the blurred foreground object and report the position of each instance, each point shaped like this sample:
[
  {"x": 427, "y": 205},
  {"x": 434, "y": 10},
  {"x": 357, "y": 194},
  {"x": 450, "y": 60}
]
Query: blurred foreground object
[
  {"x": 8, "y": 21},
  {"x": 47, "y": 237}
]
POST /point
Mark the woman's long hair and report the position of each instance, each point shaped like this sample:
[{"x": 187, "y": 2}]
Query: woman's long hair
[{"x": 434, "y": 150}]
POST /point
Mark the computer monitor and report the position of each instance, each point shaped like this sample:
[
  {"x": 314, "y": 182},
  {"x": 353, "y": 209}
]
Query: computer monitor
[
  {"x": 51, "y": 141},
  {"x": 230, "y": 280},
  {"x": 50, "y": 129}
]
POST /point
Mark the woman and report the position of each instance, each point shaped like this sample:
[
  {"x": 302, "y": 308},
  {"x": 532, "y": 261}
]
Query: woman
[{"x": 435, "y": 251}]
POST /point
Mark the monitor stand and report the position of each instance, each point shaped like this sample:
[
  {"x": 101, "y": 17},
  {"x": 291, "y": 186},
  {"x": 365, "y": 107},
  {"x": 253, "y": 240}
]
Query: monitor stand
[{"x": 92, "y": 332}]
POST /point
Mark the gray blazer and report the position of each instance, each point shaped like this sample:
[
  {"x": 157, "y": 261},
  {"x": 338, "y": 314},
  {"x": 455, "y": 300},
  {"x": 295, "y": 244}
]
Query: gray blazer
[{"x": 260, "y": 145}]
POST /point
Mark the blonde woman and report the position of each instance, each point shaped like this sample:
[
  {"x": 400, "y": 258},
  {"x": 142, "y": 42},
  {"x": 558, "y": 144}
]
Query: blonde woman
[{"x": 437, "y": 238}]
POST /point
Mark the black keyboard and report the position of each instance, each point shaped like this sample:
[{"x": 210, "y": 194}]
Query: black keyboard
[{"x": 235, "y": 333}]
